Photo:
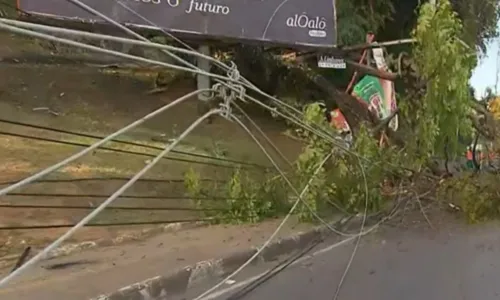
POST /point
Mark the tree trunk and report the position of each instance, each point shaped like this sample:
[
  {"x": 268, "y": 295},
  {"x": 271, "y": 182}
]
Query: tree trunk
[{"x": 353, "y": 110}]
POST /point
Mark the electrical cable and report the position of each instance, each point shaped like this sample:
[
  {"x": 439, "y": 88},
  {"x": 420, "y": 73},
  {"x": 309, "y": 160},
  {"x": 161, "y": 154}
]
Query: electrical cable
[
  {"x": 299, "y": 200},
  {"x": 119, "y": 54},
  {"x": 129, "y": 31},
  {"x": 106, "y": 203},
  {"x": 268, "y": 140},
  {"x": 356, "y": 246},
  {"x": 34, "y": 34},
  {"x": 138, "y": 36},
  {"x": 244, "y": 81},
  {"x": 278, "y": 268},
  {"x": 72, "y": 225},
  {"x": 337, "y": 142},
  {"x": 43, "y": 139},
  {"x": 300, "y": 196},
  {"x": 216, "y": 61},
  {"x": 274, "y": 271},
  {"x": 62, "y": 195},
  {"x": 112, "y": 178},
  {"x": 94, "y": 146},
  {"x": 273, "y": 235},
  {"x": 129, "y": 143},
  {"x": 80, "y": 207},
  {"x": 97, "y": 36},
  {"x": 307, "y": 205},
  {"x": 286, "y": 263}
]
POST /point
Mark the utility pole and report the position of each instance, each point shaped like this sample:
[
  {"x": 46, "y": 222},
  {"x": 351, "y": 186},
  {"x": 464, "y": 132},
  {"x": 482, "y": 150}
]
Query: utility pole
[{"x": 203, "y": 81}]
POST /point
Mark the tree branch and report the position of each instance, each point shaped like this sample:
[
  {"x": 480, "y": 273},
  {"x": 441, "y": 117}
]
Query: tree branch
[{"x": 364, "y": 69}]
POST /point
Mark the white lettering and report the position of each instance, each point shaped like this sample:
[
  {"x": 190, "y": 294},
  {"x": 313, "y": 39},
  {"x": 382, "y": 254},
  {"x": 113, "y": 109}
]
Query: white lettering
[
  {"x": 331, "y": 62},
  {"x": 190, "y": 9},
  {"x": 173, "y": 3},
  {"x": 311, "y": 24},
  {"x": 156, "y": 1},
  {"x": 303, "y": 21},
  {"x": 213, "y": 8},
  {"x": 206, "y": 7},
  {"x": 322, "y": 24}
]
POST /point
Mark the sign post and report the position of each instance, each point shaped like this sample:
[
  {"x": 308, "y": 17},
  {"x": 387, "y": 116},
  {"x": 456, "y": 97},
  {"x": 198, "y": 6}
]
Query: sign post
[{"x": 203, "y": 81}]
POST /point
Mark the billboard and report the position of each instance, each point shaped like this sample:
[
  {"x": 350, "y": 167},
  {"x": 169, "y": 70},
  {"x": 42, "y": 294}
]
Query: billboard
[{"x": 289, "y": 22}]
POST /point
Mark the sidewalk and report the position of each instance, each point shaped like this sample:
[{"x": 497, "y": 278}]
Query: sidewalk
[{"x": 103, "y": 270}]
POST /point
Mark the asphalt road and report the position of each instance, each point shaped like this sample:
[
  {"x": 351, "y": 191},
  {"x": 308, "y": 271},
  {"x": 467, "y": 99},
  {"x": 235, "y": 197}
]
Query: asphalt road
[{"x": 457, "y": 264}]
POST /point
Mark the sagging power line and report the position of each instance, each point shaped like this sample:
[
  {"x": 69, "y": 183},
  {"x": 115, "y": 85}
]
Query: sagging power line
[{"x": 123, "y": 142}]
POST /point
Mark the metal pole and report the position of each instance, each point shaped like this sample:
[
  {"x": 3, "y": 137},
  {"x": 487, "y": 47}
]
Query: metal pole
[{"x": 203, "y": 81}]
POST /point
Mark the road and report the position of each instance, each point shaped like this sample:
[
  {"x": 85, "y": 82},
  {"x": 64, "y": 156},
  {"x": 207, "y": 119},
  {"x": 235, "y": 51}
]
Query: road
[{"x": 461, "y": 263}]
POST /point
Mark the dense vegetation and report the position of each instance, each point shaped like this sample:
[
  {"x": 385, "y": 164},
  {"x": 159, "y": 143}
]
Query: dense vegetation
[{"x": 438, "y": 113}]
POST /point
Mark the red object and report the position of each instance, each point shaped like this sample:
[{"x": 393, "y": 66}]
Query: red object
[
  {"x": 339, "y": 121},
  {"x": 469, "y": 155}
]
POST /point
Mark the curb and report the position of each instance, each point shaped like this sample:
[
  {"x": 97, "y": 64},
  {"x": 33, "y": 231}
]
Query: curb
[
  {"x": 68, "y": 249},
  {"x": 179, "y": 282}
]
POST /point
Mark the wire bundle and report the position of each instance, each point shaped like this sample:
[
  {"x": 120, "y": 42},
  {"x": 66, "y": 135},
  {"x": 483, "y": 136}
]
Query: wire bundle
[{"x": 236, "y": 84}]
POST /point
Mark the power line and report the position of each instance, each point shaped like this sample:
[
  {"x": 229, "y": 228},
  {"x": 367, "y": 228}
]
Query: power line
[
  {"x": 129, "y": 143},
  {"x": 62, "y": 195},
  {"x": 69, "y": 225},
  {"x": 49, "y": 140},
  {"x": 111, "y": 178},
  {"x": 218, "y": 78},
  {"x": 110, "y": 199},
  {"x": 146, "y": 43},
  {"x": 96, "y": 145},
  {"x": 83, "y": 207},
  {"x": 268, "y": 241}
]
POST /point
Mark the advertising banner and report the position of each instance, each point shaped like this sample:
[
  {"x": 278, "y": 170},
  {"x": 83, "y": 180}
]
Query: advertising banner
[
  {"x": 291, "y": 22},
  {"x": 380, "y": 97}
]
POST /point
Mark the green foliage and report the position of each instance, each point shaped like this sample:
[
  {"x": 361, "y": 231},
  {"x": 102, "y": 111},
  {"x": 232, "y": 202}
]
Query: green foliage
[
  {"x": 480, "y": 19},
  {"x": 476, "y": 194},
  {"x": 340, "y": 184},
  {"x": 309, "y": 161},
  {"x": 345, "y": 180},
  {"x": 242, "y": 199},
  {"x": 445, "y": 65},
  {"x": 356, "y": 18}
]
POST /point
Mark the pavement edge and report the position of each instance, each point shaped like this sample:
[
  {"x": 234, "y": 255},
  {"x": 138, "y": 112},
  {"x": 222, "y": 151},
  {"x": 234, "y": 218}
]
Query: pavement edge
[{"x": 162, "y": 287}]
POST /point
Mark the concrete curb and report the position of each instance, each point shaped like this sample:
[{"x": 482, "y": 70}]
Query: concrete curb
[
  {"x": 176, "y": 283},
  {"x": 68, "y": 249}
]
